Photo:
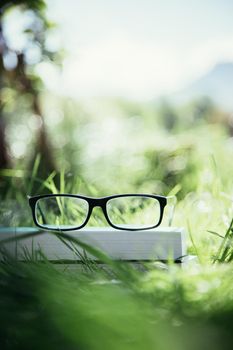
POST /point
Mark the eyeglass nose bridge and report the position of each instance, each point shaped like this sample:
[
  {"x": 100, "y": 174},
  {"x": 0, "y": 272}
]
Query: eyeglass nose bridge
[{"x": 97, "y": 202}]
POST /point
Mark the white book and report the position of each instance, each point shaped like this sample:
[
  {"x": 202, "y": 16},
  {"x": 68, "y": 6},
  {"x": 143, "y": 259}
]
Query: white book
[{"x": 159, "y": 244}]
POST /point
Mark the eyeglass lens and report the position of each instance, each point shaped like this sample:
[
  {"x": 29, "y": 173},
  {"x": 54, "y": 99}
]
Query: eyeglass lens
[
  {"x": 61, "y": 212},
  {"x": 133, "y": 212}
]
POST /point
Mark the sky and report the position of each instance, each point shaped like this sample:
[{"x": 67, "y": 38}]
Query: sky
[{"x": 138, "y": 49}]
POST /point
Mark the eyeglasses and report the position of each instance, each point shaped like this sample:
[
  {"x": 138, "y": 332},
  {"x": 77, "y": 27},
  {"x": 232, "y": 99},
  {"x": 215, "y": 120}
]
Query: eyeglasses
[{"x": 67, "y": 212}]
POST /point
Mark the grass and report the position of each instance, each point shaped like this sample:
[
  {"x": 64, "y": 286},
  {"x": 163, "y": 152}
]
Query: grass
[
  {"x": 49, "y": 306},
  {"x": 118, "y": 307}
]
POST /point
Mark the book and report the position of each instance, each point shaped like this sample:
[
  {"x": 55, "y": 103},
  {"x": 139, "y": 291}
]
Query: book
[{"x": 160, "y": 244}]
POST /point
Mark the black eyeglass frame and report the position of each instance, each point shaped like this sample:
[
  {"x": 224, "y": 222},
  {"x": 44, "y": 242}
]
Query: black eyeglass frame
[{"x": 97, "y": 202}]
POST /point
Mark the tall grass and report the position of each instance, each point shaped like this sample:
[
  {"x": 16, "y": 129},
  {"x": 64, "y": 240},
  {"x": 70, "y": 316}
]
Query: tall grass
[{"x": 117, "y": 306}]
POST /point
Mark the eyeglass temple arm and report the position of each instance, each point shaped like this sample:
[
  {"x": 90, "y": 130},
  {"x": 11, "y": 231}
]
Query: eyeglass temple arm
[{"x": 171, "y": 200}]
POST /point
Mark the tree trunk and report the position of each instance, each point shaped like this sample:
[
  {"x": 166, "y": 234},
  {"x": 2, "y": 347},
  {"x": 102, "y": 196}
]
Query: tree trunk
[
  {"x": 43, "y": 146},
  {"x": 4, "y": 158}
]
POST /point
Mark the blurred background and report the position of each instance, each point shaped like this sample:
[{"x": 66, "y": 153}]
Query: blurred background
[
  {"x": 113, "y": 96},
  {"x": 116, "y": 96}
]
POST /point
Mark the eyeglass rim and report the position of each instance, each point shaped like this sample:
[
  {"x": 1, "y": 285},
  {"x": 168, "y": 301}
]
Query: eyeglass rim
[{"x": 102, "y": 202}]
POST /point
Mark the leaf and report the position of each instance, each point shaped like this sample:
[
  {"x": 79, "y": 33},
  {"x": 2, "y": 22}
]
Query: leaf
[{"x": 215, "y": 233}]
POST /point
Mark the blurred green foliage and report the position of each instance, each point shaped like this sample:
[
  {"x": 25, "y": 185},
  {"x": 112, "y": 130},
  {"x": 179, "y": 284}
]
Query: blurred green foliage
[
  {"x": 54, "y": 144},
  {"x": 119, "y": 307},
  {"x": 110, "y": 145},
  {"x": 24, "y": 32}
]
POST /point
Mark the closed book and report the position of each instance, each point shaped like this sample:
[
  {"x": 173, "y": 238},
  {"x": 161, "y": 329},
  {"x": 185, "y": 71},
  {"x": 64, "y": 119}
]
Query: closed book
[{"x": 161, "y": 244}]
